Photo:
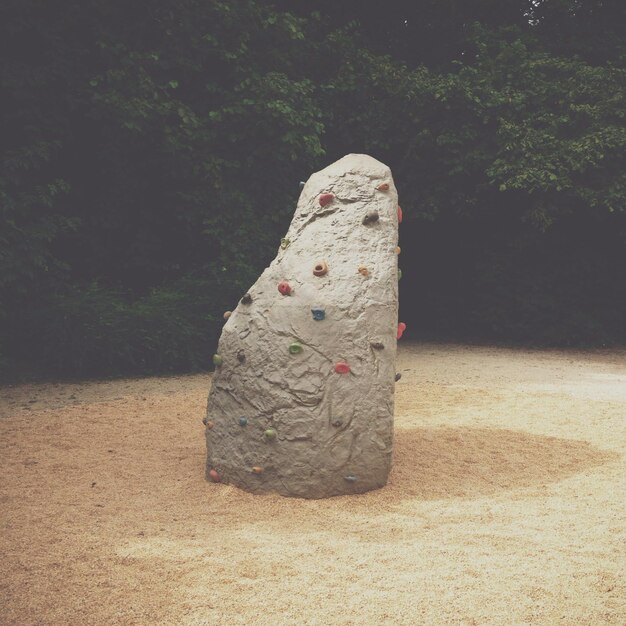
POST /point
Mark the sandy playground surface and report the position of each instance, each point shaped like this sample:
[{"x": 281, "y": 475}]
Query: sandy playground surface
[{"x": 506, "y": 505}]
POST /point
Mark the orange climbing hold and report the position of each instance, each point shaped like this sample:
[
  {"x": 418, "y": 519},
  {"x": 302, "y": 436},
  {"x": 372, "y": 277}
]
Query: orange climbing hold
[
  {"x": 399, "y": 215},
  {"x": 215, "y": 477},
  {"x": 383, "y": 187},
  {"x": 401, "y": 329},
  {"x": 257, "y": 470},
  {"x": 326, "y": 198}
]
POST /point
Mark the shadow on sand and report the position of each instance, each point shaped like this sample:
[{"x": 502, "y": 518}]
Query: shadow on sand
[{"x": 439, "y": 463}]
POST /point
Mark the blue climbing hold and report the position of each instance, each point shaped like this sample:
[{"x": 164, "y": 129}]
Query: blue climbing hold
[
  {"x": 318, "y": 314},
  {"x": 350, "y": 479},
  {"x": 243, "y": 421}
]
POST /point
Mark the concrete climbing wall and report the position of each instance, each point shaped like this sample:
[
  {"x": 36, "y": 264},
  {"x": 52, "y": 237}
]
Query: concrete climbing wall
[{"x": 302, "y": 396}]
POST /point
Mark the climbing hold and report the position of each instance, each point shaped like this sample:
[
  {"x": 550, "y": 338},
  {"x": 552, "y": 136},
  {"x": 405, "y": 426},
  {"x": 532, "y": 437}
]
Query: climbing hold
[
  {"x": 320, "y": 268},
  {"x": 377, "y": 345},
  {"x": 337, "y": 423},
  {"x": 342, "y": 368},
  {"x": 227, "y": 314},
  {"x": 326, "y": 198},
  {"x": 302, "y": 184},
  {"x": 284, "y": 243},
  {"x": 204, "y": 420},
  {"x": 257, "y": 470},
  {"x": 383, "y": 187},
  {"x": 241, "y": 356},
  {"x": 371, "y": 217},
  {"x": 398, "y": 250},
  {"x": 399, "y": 215},
  {"x": 243, "y": 421},
  {"x": 398, "y": 376},
  {"x": 350, "y": 479},
  {"x": 284, "y": 288},
  {"x": 217, "y": 360},
  {"x": 295, "y": 348},
  {"x": 209, "y": 424},
  {"x": 247, "y": 299},
  {"x": 363, "y": 270},
  {"x": 318, "y": 314},
  {"x": 270, "y": 434},
  {"x": 399, "y": 273},
  {"x": 215, "y": 477},
  {"x": 401, "y": 329}
]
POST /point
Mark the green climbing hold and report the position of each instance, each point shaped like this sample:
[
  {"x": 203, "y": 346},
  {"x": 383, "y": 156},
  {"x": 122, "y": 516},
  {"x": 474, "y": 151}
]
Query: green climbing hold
[
  {"x": 284, "y": 243},
  {"x": 217, "y": 360},
  {"x": 295, "y": 348},
  {"x": 399, "y": 273},
  {"x": 350, "y": 479},
  {"x": 243, "y": 421},
  {"x": 270, "y": 434}
]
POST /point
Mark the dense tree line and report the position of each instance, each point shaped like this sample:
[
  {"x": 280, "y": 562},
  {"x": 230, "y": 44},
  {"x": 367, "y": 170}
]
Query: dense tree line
[{"x": 152, "y": 150}]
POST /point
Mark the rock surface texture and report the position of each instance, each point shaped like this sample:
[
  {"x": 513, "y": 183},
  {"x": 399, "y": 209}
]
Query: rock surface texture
[{"x": 302, "y": 396}]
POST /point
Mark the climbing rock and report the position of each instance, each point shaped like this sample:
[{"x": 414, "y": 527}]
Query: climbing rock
[{"x": 292, "y": 400}]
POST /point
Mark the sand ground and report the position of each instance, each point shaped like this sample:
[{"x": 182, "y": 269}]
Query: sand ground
[{"x": 506, "y": 505}]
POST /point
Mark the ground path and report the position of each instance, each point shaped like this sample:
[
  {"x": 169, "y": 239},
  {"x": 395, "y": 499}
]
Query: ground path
[{"x": 506, "y": 505}]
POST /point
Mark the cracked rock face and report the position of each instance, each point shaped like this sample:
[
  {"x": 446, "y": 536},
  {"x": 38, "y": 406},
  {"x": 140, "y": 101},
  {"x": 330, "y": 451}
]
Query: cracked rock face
[{"x": 302, "y": 396}]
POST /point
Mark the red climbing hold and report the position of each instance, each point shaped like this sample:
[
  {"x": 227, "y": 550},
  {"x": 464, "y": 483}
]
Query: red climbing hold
[
  {"x": 284, "y": 288},
  {"x": 326, "y": 198},
  {"x": 215, "y": 477},
  {"x": 399, "y": 215},
  {"x": 401, "y": 329},
  {"x": 342, "y": 368}
]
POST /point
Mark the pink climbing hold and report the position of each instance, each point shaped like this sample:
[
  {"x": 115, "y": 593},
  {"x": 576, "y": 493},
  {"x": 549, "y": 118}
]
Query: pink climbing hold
[
  {"x": 284, "y": 288},
  {"x": 401, "y": 329},
  {"x": 215, "y": 477},
  {"x": 399, "y": 215},
  {"x": 326, "y": 198},
  {"x": 342, "y": 368}
]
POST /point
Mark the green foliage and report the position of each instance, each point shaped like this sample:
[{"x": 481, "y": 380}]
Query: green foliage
[{"x": 151, "y": 154}]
